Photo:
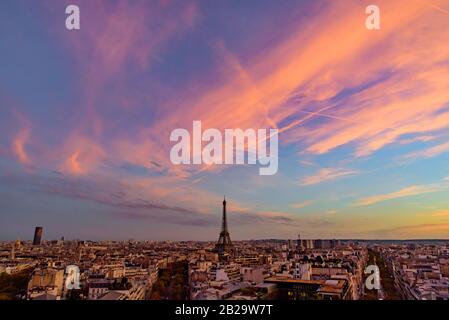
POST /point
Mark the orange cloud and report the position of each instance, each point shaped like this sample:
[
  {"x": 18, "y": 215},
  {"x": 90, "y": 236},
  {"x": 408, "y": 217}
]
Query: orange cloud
[
  {"x": 18, "y": 146},
  {"x": 82, "y": 155},
  {"x": 73, "y": 165},
  {"x": 312, "y": 66},
  {"x": 398, "y": 105},
  {"x": 444, "y": 213},
  {"x": 308, "y": 64}
]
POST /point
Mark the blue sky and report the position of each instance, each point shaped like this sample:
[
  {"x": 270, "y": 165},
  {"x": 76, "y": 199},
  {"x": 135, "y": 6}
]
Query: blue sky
[{"x": 85, "y": 118}]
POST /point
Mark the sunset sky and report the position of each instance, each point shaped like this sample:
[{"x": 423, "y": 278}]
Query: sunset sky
[{"x": 85, "y": 118}]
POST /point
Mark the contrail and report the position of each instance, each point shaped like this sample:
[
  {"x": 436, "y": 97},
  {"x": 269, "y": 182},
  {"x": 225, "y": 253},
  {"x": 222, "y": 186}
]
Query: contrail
[
  {"x": 329, "y": 116},
  {"x": 309, "y": 116},
  {"x": 434, "y": 6}
]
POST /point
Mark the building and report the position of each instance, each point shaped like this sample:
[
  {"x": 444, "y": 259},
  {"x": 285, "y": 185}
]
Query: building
[
  {"x": 12, "y": 254},
  {"x": 137, "y": 292},
  {"x": 37, "y": 236},
  {"x": 307, "y": 244},
  {"x": 253, "y": 275},
  {"x": 302, "y": 271},
  {"x": 98, "y": 287},
  {"x": 304, "y": 244},
  {"x": 293, "y": 289},
  {"x": 46, "y": 284}
]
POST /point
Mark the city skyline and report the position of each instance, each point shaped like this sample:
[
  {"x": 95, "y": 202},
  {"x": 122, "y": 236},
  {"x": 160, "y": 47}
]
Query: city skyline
[
  {"x": 294, "y": 270},
  {"x": 86, "y": 116}
]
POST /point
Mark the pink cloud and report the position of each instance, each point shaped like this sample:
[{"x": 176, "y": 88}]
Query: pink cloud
[
  {"x": 326, "y": 174},
  {"x": 81, "y": 155},
  {"x": 18, "y": 146},
  {"x": 404, "y": 192}
]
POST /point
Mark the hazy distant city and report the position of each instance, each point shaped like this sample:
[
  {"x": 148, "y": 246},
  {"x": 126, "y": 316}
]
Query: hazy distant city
[{"x": 272, "y": 269}]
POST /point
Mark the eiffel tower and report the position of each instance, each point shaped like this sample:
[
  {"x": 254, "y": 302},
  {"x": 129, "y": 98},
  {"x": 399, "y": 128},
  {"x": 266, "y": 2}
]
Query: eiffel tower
[{"x": 224, "y": 243}]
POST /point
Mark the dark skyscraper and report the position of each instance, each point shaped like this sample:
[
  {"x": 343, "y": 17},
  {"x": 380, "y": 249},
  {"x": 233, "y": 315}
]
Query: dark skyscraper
[
  {"x": 224, "y": 243},
  {"x": 37, "y": 236}
]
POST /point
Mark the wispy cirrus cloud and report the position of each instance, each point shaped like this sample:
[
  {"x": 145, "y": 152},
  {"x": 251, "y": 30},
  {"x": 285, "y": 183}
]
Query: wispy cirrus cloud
[
  {"x": 392, "y": 105},
  {"x": 302, "y": 204},
  {"x": 429, "y": 152},
  {"x": 388, "y": 107},
  {"x": 421, "y": 138},
  {"x": 326, "y": 174},
  {"x": 404, "y": 192}
]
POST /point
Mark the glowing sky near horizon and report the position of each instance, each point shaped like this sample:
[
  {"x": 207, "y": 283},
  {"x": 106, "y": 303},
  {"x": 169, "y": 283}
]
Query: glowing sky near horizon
[{"x": 85, "y": 118}]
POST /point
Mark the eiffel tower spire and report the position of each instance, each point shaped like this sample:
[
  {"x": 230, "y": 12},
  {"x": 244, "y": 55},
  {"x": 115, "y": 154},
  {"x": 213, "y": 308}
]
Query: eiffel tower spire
[{"x": 224, "y": 243}]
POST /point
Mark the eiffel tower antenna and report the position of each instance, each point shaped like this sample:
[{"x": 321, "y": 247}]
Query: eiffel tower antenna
[{"x": 224, "y": 222}]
